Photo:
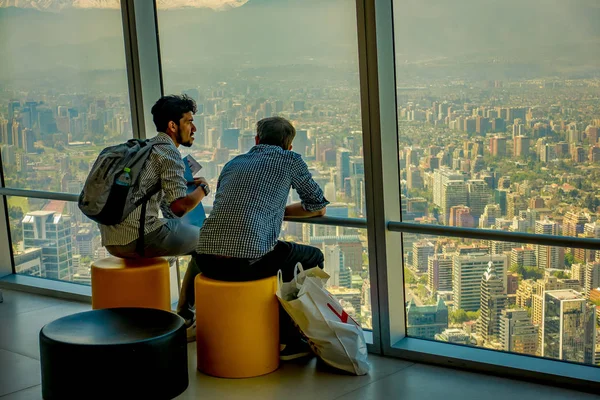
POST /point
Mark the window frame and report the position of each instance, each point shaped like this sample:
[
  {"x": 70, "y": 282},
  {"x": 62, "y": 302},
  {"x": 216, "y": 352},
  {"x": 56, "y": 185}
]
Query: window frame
[{"x": 377, "y": 72}]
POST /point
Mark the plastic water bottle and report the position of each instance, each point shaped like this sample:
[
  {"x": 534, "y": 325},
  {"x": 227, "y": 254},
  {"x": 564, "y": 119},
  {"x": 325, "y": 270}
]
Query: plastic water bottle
[{"x": 125, "y": 178}]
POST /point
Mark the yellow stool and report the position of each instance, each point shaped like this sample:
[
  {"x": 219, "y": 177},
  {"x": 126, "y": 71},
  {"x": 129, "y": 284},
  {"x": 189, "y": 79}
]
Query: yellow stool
[
  {"x": 237, "y": 327},
  {"x": 118, "y": 282}
]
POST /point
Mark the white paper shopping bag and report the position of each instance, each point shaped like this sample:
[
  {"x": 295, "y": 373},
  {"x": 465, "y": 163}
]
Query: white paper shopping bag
[{"x": 334, "y": 336}]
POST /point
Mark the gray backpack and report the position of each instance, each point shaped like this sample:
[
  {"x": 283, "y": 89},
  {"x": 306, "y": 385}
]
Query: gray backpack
[{"x": 108, "y": 203}]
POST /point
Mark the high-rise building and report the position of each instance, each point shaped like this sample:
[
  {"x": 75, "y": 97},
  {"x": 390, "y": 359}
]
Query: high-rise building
[
  {"x": 548, "y": 256},
  {"x": 350, "y": 299},
  {"x": 413, "y": 156},
  {"x": 461, "y": 216},
  {"x": 454, "y": 335},
  {"x": 591, "y": 278},
  {"x": 493, "y": 301},
  {"x": 422, "y": 250},
  {"x": 17, "y": 134},
  {"x": 512, "y": 284},
  {"x": 514, "y": 204},
  {"x": 301, "y": 142},
  {"x": 479, "y": 197},
  {"x": 574, "y": 223},
  {"x": 342, "y": 162},
  {"x": 84, "y": 240},
  {"x": 578, "y": 154},
  {"x": 229, "y": 138},
  {"x": 490, "y": 213},
  {"x": 4, "y": 131},
  {"x": 212, "y": 138},
  {"x": 498, "y": 146},
  {"x": 426, "y": 321},
  {"x": 414, "y": 178},
  {"x": 517, "y": 333},
  {"x": 592, "y": 134},
  {"x": 578, "y": 272},
  {"x": 454, "y": 193},
  {"x": 50, "y": 231},
  {"x": 246, "y": 141},
  {"x": 46, "y": 121},
  {"x": 525, "y": 293},
  {"x": 522, "y": 257},
  {"x": 537, "y": 300},
  {"x": 593, "y": 229},
  {"x": 569, "y": 327},
  {"x": 467, "y": 272},
  {"x": 340, "y": 275},
  {"x": 29, "y": 262},
  {"x": 594, "y": 154},
  {"x": 299, "y": 105},
  {"x": 28, "y": 140},
  {"x": 521, "y": 146},
  {"x": 350, "y": 246},
  {"x": 547, "y": 153},
  {"x": 482, "y": 125},
  {"x": 9, "y": 156},
  {"x": 499, "y": 197},
  {"x": 278, "y": 106},
  {"x": 440, "y": 177},
  {"x": 439, "y": 273}
]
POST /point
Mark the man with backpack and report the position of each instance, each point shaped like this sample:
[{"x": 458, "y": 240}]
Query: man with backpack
[{"x": 128, "y": 183}]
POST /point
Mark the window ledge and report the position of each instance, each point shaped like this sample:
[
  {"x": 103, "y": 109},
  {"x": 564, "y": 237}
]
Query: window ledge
[
  {"x": 515, "y": 366},
  {"x": 47, "y": 287}
]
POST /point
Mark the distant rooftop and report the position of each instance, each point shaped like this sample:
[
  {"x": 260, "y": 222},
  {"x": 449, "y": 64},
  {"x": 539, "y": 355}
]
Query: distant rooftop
[
  {"x": 56, "y": 206},
  {"x": 41, "y": 213},
  {"x": 565, "y": 294}
]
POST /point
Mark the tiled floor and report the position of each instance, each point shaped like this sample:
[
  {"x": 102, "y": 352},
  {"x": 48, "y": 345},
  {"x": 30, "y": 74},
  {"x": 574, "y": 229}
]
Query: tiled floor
[{"x": 22, "y": 316}]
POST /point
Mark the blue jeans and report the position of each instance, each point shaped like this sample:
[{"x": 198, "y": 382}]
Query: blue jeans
[{"x": 174, "y": 238}]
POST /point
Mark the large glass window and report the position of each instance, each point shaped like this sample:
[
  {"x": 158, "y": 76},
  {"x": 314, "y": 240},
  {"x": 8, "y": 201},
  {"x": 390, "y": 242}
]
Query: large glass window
[
  {"x": 498, "y": 129},
  {"x": 63, "y": 91},
  {"x": 63, "y": 97},
  {"x": 243, "y": 61},
  {"x": 491, "y": 294}
]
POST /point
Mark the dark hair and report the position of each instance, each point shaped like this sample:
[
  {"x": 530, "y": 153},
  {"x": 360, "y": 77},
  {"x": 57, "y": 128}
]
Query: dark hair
[
  {"x": 171, "y": 108},
  {"x": 276, "y": 131}
]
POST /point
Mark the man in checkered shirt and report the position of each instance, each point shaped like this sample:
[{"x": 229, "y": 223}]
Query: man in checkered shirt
[{"x": 238, "y": 241}]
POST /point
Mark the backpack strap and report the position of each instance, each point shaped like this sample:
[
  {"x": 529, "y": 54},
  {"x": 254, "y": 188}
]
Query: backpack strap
[{"x": 140, "y": 245}]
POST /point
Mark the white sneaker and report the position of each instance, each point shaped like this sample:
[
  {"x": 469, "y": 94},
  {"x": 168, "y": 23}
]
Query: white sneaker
[{"x": 191, "y": 333}]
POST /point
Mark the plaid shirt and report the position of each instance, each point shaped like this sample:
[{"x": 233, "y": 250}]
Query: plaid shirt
[
  {"x": 164, "y": 164},
  {"x": 250, "y": 201}
]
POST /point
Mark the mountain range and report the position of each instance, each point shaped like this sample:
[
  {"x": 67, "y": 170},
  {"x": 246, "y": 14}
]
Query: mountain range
[{"x": 57, "y": 5}]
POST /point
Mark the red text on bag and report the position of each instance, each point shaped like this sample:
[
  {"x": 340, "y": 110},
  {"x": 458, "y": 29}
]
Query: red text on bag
[{"x": 343, "y": 316}]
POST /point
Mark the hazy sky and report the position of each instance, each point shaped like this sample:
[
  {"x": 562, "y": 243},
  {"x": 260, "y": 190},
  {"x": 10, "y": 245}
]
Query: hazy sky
[{"x": 542, "y": 37}]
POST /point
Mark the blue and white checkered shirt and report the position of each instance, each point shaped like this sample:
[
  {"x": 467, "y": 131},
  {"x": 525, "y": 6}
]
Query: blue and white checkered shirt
[{"x": 250, "y": 201}]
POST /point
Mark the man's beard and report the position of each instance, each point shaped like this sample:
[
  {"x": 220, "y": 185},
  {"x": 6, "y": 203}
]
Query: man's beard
[{"x": 179, "y": 138}]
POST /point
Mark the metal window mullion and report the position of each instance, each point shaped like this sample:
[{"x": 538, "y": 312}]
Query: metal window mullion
[
  {"x": 382, "y": 183},
  {"x": 142, "y": 56},
  {"x": 7, "y": 266}
]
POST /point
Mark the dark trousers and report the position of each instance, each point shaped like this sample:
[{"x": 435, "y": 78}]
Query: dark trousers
[{"x": 283, "y": 257}]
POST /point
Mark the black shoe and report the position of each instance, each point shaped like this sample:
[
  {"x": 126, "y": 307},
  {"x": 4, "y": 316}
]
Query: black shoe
[{"x": 295, "y": 350}]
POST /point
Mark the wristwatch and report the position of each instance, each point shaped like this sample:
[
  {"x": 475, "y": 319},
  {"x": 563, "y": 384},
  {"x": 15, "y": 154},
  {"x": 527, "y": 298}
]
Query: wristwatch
[{"x": 204, "y": 187}]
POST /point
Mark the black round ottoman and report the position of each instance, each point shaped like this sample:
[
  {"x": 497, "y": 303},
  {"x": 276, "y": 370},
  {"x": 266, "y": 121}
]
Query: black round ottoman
[{"x": 115, "y": 353}]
